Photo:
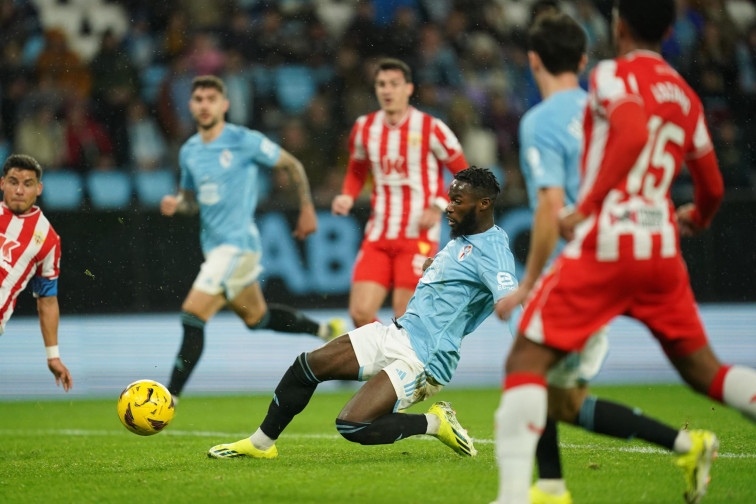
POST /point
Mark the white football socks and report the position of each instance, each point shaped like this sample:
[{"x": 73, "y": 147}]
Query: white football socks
[
  {"x": 739, "y": 390},
  {"x": 261, "y": 441},
  {"x": 519, "y": 422}
]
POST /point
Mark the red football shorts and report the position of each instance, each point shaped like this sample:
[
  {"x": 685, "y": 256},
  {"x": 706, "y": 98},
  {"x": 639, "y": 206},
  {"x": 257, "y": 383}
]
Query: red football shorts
[
  {"x": 578, "y": 296},
  {"x": 393, "y": 263}
]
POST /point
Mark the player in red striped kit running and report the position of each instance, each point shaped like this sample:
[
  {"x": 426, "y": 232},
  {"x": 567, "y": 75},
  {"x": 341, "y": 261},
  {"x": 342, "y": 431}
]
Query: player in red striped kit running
[
  {"x": 642, "y": 122},
  {"x": 30, "y": 250},
  {"x": 404, "y": 150}
]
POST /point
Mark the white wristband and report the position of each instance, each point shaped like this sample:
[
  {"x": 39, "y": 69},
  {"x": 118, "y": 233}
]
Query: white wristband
[{"x": 52, "y": 352}]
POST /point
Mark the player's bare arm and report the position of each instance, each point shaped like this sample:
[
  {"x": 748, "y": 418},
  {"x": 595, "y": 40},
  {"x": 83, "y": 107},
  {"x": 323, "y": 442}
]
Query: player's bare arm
[
  {"x": 184, "y": 203},
  {"x": 307, "y": 222},
  {"x": 430, "y": 217},
  {"x": 543, "y": 240},
  {"x": 49, "y": 316},
  {"x": 569, "y": 218}
]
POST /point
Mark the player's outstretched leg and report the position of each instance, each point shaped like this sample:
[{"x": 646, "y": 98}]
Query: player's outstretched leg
[
  {"x": 281, "y": 318},
  {"x": 697, "y": 463},
  {"x": 450, "y": 432},
  {"x": 291, "y": 396}
]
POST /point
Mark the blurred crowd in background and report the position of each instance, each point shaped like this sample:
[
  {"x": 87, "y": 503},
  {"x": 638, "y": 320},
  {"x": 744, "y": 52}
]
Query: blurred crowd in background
[{"x": 103, "y": 85}]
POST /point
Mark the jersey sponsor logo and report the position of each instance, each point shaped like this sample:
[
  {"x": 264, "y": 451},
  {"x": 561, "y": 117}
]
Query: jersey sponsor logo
[
  {"x": 6, "y": 248},
  {"x": 208, "y": 194},
  {"x": 394, "y": 165},
  {"x": 464, "y": 252},
  {"x": 505, "y": 280},
  {"x": 225, "y": 158}
]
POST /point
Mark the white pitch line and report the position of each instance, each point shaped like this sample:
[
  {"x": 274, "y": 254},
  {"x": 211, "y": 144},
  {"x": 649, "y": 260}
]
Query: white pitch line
[{"x": 217, "y": 434}]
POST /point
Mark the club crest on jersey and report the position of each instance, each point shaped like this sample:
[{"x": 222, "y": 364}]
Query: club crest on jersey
[
  {"x": 225, "y": 158},
  {"x": 38, "y": 237},
  {"x": 464, "y": 252},
  {"x": 414, "y": 139}
]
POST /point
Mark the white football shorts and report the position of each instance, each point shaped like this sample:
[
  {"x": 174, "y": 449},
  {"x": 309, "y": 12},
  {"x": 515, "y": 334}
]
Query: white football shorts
[
  {"x": 387, "y": 348},
  {"x": 580, "y": 368},
  {"x": 576, "y": 368},
  {"x": 228, "y": 270}
]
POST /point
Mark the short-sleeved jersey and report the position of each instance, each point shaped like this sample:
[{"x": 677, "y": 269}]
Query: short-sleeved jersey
[
  {"x": 636, "y": 219},
  {"x": 406, "y": 164},
  {"x": 551, "y": 138},
  {"x": 30, "y": 248},
  {"x": 455, "y": 295},
  {"x": 224, "y": 175}
]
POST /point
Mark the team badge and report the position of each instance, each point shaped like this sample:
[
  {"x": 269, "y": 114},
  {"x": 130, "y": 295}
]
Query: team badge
[
  {"x": 464, "y": 252},
  {"x": 225, "y": 158},
  {"x": 414, "y": 139},
  {"x": 38, "y": 237},
  {"x": 423, "y": 247}
]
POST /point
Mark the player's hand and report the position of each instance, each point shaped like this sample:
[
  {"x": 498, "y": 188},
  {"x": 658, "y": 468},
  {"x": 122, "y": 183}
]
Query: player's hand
[
  {"x": 427, "y": 264},
  {"x": 61, "y": 373},
  {"x": 685, "y": 223},
  {"x": 342, "y": 204},
  {"x": 307, "y": 222},
  {"x": 569, "y": 218},
  {"x": 168, "y": 205},
  {"x": 430, "y": 217},
  {"x": 506, "y": 305}
]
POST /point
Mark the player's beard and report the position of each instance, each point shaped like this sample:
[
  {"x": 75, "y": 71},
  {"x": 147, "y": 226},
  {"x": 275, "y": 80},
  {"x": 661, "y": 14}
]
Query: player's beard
[
  {"x": 466, "y": 226},
  {"x": 209, "y": 125}
]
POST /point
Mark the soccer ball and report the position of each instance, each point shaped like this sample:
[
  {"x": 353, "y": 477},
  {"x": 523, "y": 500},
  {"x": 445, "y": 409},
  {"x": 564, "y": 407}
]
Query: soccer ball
[{"x": 145, "y": 407}]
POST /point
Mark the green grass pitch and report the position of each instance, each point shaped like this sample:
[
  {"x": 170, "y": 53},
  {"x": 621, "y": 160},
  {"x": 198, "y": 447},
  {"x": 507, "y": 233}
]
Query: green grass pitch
[{"x": 78, "y": 452}]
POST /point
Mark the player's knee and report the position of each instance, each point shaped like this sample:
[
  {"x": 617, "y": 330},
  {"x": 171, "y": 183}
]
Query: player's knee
[
  {"x": 356, "y": 432},
  {"x": 361, "y": 317}
]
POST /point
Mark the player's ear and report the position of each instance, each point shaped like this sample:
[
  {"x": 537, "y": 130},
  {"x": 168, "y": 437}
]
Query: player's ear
[
  {"x": 583, "y": 63},
  {"x": 39, "y": 188},
  {"x": 484, "y": 203},
  {"x": 534, "y": 61}
]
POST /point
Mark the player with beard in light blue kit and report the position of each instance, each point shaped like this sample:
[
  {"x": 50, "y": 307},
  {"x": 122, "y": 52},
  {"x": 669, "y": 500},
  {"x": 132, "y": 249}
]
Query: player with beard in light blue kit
[
  {"x": 412, "y": 358},
  {"x": 219, "y": 178}
]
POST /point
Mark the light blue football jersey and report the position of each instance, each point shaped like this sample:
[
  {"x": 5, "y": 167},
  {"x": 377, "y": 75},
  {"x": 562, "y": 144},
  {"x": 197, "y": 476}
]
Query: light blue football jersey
[
  {"x": 455, "y": 295},
  {"x": 551, "y": 137},
  {"x": 224, "y": 175}
]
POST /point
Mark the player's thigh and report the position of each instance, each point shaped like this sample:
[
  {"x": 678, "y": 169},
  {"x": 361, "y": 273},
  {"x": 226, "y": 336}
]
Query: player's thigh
[
  {"x": 573, "y": 301},
  {"x": 375, "y": 398},
  {"x": 386, "y": 349},
  {"x": 565, "y": 403},
  {"x": 335, "y": 360},
  {"x": 666, "y": 305},
  {"x": 365, "y": 299},
  {"x": 400, "y": 299},
  {"x": 249, "y": 304},
  {"x": 698, "y": 369},
  {"x": 203, "y": 305}
]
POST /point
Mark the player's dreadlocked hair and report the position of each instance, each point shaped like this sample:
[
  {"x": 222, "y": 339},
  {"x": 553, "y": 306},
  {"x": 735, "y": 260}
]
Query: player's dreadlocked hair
[
  {"x": 22, "y": 162},
  {"x": 481, "y": 179},
  {"x": 209, "y": 81},
  {"x": 648, "y": 20}
]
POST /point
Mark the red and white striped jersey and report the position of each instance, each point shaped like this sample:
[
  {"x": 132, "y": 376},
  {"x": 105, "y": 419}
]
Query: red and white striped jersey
[
  {"x": 30, "y": 247},
  {"x": 636, "y": 219},
  {"x": 405, "y": 161}
]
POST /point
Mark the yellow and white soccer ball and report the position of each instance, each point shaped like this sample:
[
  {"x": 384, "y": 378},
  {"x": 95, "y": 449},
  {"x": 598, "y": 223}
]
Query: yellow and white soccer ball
[{"x": 145, "y": 407}]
